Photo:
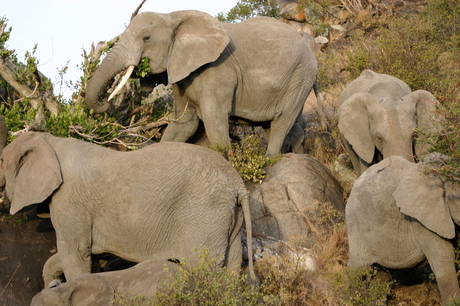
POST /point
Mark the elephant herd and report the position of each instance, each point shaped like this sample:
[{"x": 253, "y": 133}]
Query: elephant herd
[{"x": 158, "y": 203}]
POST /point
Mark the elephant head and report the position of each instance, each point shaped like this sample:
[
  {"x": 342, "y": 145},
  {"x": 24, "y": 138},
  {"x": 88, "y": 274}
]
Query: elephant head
[
  {"x": 169, "y": 41},
  {"x": 96, "y": 291},
  {"x": 30, "y": 164},
  {"x": 368, "y": 122}
]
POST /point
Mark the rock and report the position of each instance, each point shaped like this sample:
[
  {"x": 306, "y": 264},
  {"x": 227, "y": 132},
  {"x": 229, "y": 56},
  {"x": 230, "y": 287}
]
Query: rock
[
  {"x": 321, "y": 40},
  {"x": 293, "y": 11},
  {"x": 281, "y": 250},
  {"x": 284, "y": 203},
  {"x": 336, "y": 31}
]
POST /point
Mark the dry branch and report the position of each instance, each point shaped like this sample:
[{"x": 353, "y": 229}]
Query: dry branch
[{"x": 137, "y": 10}]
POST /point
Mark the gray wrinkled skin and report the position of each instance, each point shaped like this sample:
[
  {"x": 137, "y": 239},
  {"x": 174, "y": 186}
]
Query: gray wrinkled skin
[
  {"x": 378, "y": 116},
  {"x": 398, "y": 216},
  {"x": 159, "y": 202},
  {"x": 260, "y": 70},
  {"x": 101, "y": 288}
]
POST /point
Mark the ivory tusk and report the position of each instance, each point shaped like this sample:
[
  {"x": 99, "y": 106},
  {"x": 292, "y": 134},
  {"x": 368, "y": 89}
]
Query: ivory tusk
[{"x": 123, "y": 81}]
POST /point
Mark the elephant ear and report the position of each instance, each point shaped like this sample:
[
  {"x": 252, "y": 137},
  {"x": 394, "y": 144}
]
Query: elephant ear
[
  {"x": 425, "y": 105},
  {"x": 354, "y": 124},
  {"x": 32, "y": 172},
  {"x": 421, "y": 196},
  {"x": 200, "y": 39}
]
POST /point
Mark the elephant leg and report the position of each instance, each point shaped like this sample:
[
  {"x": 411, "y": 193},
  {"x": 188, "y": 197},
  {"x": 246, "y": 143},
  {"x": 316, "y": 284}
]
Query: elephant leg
[
  {"x": 441, "y": 257},
  {"x": 279, "y": 129},
  {"x": 295, "y": 140},
  {"x": 360, "y": 255},
  {"x": 74, "y": 246},
  {"x": 183, "y": 127},
  {"x": 216, "y": 124},
  {"x": 52, "y": 269}
]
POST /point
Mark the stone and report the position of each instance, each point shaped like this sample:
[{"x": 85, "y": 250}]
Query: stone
[
  {"x": 321, "y": 40},
  {"x": 293, "y": 11},
  {"x": 283, "y": 203}
]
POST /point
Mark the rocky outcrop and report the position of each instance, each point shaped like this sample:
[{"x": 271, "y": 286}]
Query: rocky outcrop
[
  {"x": 284, "y": 205},
  {"x": 308, "y": 18}
]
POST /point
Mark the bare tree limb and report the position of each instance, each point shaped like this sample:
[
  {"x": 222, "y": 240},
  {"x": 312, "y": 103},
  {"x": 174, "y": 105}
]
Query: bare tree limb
[{"x": 137, "y": 10}]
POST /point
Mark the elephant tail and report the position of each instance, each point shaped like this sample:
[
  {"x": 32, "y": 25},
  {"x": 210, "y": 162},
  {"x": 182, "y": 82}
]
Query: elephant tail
[{"x": 243, "y": 198}]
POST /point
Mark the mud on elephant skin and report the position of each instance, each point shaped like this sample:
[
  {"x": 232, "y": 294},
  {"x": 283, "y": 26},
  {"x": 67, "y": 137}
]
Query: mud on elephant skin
[
  {"x": 260, "y": 70},
  {"x": 378, "y": 116},
  {"x": 159, "y": 202},
  {"x": 398, "y": 216},
  {"x": 144, "y": 279}
]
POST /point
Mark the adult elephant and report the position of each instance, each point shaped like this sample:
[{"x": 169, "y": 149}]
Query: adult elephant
[
  {"x": 260, "y": 70},
  {"x": 378, "y": 116},
  {"x": 159, "y": 202},
  {"x": 398, "y": 216}
]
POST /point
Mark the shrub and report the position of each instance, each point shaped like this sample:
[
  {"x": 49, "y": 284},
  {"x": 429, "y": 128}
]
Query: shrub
[
  {"x": 363, "y": 287},
  {"x": 248, "y": 157},
  {"x": 245, "y": 9},
  {"x": 447, "y": 139},
  {"x": 206, "y": 284}
]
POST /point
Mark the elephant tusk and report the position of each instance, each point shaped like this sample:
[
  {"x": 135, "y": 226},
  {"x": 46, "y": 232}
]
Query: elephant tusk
[{"x": 123, "y": 81}]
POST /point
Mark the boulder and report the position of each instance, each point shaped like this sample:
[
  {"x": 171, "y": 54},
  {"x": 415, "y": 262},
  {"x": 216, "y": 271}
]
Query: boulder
[{"x": 285, "y": 204}]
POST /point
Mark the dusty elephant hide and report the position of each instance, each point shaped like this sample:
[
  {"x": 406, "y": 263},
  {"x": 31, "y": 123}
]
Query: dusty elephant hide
[{"x": 144, "y": 279}]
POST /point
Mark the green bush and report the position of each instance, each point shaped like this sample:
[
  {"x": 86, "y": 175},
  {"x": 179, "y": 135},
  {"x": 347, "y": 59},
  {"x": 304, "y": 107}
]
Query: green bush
[
  {"x": 206, "y": 284},
  {"x": 443, "y": 15},
  {"x": 245, "y": 9},
  {"x": 248, "y": 158},
  {"x": 363, "y": 287},
  {"x": 408, "y": 50}
]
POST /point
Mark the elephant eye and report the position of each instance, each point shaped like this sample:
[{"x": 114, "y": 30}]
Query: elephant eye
[{"x": 146, "y": 38}]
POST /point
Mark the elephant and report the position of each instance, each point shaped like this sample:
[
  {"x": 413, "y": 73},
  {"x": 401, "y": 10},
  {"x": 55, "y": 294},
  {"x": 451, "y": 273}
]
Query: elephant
[
  {"x": 398, "y": 215},
  {"x": 260, "y": 70},
  {"x": 143, "y": 279},
  {"x": 378, "y": 117},
  {"x": 159, "y": 202}
]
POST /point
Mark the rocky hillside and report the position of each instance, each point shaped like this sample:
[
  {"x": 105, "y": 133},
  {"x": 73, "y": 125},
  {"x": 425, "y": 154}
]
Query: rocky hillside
[{"x": 299, "y": 200}]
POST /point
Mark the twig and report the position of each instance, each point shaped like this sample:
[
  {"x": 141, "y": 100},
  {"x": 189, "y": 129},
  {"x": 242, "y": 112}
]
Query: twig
[
  {"x": 12, "y": 276},
  {"x": 137, "y": 10}
]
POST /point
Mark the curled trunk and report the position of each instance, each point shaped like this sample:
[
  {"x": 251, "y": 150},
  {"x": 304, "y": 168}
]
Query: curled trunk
[{"x": 114, "y": 63}]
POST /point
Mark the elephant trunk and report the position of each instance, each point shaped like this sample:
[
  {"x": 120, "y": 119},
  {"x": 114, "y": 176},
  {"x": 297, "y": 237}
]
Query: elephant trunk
[
  {"x": 401, "y": 148},
  {"x": 115, "y": 62}
]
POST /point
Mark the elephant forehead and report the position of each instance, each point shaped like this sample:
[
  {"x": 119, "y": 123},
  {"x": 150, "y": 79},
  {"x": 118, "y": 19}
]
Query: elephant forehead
[{"x": 393, "y": 112}]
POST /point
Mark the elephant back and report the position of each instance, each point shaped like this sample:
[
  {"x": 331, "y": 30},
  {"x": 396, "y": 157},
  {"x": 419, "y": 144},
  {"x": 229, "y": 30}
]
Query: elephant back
[{"x": 366, "y": 83}]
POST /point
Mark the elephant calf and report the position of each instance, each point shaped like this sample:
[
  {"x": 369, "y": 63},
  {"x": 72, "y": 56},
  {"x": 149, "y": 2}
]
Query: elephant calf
[
  {"x": 103, "y": 288},
  {"x": 160, "y": 202},
  {"x": 378, "y": 115},
  {"x": 398, "y": 216}
]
